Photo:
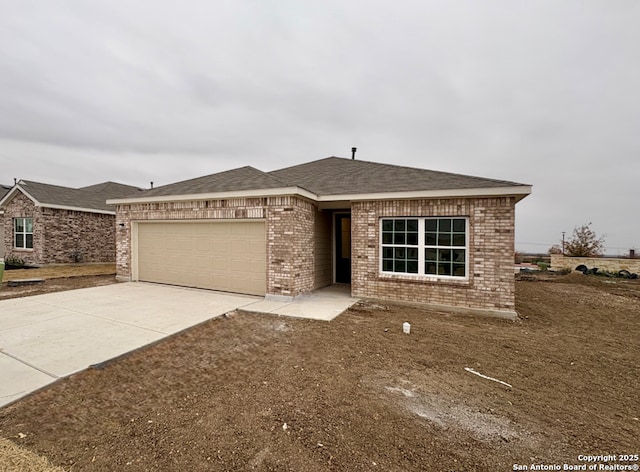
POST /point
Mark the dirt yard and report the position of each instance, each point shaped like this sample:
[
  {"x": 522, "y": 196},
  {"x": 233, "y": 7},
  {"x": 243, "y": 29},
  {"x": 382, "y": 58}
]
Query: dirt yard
[
  {"x": 57, "y": 278},
  {"x": 265, "y": 393}
]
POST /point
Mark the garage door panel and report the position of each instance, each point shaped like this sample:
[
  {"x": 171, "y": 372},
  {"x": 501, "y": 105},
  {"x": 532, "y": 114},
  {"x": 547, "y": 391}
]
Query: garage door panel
[
  {"x": 238, "y": 267},
  {"x": 253, "y": 286},
  {"x": 228, "y": 256},
  {"x": 238, "y": 245},
  {"x": 221, "y": 247},
  {"x": 255, "y": 248},
  {"x": 202, "y": 243},
  {"x": 239, "y": 230}
]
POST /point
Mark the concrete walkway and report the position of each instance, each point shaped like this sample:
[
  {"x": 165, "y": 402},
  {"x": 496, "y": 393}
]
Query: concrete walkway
[
  {"x": 324, "y": 304},
  {"x": 46, "y": 337}
]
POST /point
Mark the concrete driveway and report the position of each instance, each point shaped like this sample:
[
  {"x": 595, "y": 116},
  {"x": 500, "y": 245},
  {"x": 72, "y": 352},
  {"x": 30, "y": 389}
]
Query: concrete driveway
[{"x": 46, "y": 337}]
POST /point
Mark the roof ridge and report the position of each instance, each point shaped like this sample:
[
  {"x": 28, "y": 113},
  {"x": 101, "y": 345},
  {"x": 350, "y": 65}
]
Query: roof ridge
[
  {"x": 27, "y": 182},
  {"x": 296, "y": 165},
  {"x": 244, "y": 177},
  {"x": 108, "y": 187},
  {"x": 106, "y": 182},
  {"x": 208, "y": 175},
  {"x": 332, "y": 175},
  {"x": 419, "y": 169},
  {"x": 61, "y": 196},
  {"x": 65, "y": 186}
]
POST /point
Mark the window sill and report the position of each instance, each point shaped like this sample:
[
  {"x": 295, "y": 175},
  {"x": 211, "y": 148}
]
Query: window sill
[
  {"x": 21, "y": 249},
  {"x": 423, "y": 279}
]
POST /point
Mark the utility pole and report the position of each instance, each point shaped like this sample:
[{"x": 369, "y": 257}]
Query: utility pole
[{"x": 563, "y": 243}]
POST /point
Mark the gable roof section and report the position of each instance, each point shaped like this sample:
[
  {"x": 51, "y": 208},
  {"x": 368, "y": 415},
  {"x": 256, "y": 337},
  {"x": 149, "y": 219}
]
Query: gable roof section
[
  {"x": 90, "y": 199},
  {"x": 332, "y": 179},
  {"x": 112, "y": 189},
  {"x": 236, "y": 180},
  {"x": 4, "y": 189},
  {"x": 339, "y": 176}
]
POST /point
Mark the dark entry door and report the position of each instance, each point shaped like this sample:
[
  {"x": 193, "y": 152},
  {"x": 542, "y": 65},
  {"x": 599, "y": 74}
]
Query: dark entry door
[{"x": 343, "y": 248}]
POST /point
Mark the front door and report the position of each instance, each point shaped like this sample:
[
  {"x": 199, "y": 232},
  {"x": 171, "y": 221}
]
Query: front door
[{"x": 343, "y": 248}]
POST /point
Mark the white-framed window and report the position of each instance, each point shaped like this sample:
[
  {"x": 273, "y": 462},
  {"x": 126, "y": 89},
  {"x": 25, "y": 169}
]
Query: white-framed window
[
  {"x": 427, "y": 246},
  {"x": 23, "y": 233}
]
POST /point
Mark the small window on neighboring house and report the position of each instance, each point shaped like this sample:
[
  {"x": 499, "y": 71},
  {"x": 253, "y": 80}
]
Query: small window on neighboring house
[
  {"x": 424, "y": 246},
  {"x": 23, "y": 233}
]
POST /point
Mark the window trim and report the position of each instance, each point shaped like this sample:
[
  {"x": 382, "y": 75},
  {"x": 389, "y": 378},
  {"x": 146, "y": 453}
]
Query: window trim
[
  {"x": 24, "y": 233},
  {"x": 422, "y": 246}
]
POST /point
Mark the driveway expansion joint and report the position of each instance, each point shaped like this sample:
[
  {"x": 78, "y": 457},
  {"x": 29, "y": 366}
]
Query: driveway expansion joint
[
  {"x": 15, "y": 358},
  {"x": 111, "y": 320},
  {"x": 66, "y": 331}
]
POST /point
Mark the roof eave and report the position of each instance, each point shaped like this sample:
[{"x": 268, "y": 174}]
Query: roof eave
[
  {"x": 39, "y": 204},
  {"x": 216, "y": 196},
  {"x": 72, "y": 208},
  {"x": 520, "y": 192}
]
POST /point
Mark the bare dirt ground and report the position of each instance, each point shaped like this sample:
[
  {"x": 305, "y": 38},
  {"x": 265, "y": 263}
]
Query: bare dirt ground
[
  {"x": 265, "y": 393},
  {"x": 57, "y": 278}
]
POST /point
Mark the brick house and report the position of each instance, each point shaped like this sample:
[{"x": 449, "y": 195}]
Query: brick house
[
  {"x": 50, "y": 224},
  {"x": 4, "y": 189},
  {"x": 391, "y": 232}
]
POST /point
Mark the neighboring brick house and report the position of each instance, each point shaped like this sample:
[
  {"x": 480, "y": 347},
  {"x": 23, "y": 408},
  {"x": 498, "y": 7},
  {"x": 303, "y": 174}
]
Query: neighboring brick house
[
  {"x": 391, "y": 232},
  {"x": 50, "y": 224},
  {"x": 4, "y": 189}
]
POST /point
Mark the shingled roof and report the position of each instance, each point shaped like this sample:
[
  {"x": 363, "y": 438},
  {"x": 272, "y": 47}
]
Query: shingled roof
[
  {"x": 243, "y": 178},
  {"x": 331, "y": 177},
  {"x": 339, "y": 176},
  {"x": 4, "y": 189},
  {"x": 91, "y": 198},
  {"x": 112, "y": 189}
]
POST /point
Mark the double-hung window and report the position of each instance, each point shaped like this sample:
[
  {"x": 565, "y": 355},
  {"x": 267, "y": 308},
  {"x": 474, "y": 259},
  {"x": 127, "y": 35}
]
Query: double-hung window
[
  {"x": 23, "y": 233},
  {"x": 400, "y": 249},
  {"x": 435, "y": 247}
]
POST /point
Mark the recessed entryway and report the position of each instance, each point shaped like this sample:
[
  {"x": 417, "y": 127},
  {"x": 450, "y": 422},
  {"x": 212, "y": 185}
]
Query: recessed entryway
[{"x": 342, "y": 238}]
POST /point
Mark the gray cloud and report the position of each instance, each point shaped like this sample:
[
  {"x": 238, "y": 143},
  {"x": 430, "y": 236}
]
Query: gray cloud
[{"x": 539, "y": 92}]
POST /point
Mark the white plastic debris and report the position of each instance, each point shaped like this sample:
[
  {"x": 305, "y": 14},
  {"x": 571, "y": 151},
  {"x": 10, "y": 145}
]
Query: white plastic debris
[
  {"x": 406, "y": 328},
  {"x": 468, "y": 369}
]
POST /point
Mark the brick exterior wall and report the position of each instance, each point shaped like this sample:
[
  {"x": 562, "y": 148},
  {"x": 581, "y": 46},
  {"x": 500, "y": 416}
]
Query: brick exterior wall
[
  {"x": 22, "y": 207},
  {"x": 90, "y": 235},
  {"x": 290, "y": 246},
  {"x": 490, "y": 285},
  {"x": 612, "y": 264},
  {"x": 290, "y": 227},
  {"x": 2, "y": 236},
  {"x": 299, "y": 242},
  {"x": 57, "y": 234},
  {"x": 323, "y": 249}
]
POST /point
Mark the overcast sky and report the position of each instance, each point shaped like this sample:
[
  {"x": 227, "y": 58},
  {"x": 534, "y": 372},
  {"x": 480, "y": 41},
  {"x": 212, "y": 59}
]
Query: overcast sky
[{"x": 543, "y": 92}]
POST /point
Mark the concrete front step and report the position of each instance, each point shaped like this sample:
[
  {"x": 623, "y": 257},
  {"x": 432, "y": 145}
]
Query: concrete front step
[{"x": 18, "y": 282}]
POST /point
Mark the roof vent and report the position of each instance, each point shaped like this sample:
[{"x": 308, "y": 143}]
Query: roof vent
[{"x": 353, "y": 153}]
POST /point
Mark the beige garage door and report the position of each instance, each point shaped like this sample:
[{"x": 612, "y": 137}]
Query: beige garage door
[{"x": 228, "y": 256}]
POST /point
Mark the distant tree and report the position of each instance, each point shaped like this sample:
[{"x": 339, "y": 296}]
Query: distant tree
[
  {"x": 584, "y": 242},
  {"x": 555, "y": 249}
]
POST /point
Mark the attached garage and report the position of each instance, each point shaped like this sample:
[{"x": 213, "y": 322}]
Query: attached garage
[{"x": 219, "y": 255}]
